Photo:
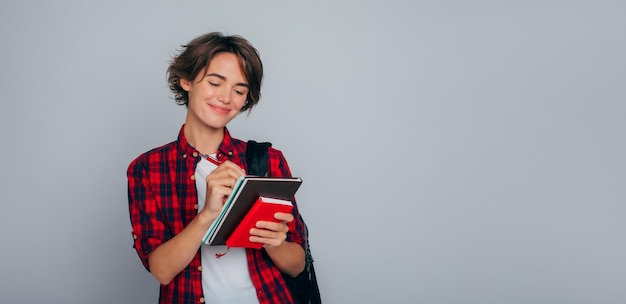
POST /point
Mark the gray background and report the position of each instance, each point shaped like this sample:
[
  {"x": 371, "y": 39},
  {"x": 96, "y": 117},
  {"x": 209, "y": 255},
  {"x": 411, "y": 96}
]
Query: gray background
[{"x": 452, "y": 151}]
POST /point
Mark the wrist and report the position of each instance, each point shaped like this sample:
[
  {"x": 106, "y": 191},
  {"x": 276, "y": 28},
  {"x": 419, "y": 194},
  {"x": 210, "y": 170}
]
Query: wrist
[
  {"x": 206, "y": 217},
  {"x": 272, "y": 249}
]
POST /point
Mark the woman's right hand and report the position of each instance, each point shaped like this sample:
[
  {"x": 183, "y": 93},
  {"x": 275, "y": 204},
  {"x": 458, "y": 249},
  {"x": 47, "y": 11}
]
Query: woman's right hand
[{"x": 220, "y": 183}]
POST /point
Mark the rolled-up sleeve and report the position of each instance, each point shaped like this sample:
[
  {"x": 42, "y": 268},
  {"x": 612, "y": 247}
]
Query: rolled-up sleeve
[{"x": 148, "y": 228}]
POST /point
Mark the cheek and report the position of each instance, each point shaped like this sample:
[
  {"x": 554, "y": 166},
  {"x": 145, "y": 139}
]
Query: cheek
[
  {"x": 199, "y": 93},
  {"x": 239, "y": 101}
]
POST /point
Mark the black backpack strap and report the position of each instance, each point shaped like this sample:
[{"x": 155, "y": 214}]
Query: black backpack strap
[{"x": 257, "y": 157}]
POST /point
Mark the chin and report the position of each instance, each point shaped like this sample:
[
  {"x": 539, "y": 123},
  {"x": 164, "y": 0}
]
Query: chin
[{"x": 216, "y": 123}]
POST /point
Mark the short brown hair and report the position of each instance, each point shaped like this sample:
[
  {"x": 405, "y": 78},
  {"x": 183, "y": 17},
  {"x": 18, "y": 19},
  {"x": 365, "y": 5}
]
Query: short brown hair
[{"x": 196, "y": 56}]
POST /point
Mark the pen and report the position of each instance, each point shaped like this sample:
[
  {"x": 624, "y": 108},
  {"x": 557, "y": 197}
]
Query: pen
[{"x": 212, "y": 159}]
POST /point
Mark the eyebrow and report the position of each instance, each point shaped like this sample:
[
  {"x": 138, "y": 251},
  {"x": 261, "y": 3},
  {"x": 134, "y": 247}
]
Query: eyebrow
[{"x": 243, "y": 84}]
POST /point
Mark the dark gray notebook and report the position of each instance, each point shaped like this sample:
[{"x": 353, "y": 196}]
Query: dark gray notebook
[{"x": 245, "y": 192}]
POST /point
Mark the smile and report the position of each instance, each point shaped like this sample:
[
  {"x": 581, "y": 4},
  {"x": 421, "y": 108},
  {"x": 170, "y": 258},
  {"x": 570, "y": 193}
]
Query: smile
[{"x": 220, "y": 110}]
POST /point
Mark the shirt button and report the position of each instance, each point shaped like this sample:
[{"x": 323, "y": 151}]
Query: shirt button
[
  {"x": 230, "y": 152},
  {"x": 202, "y": 300},
  {"x": 200, "y": 268},
  {"x": 134, "y": 236},
  {"x": 193, "y": 177},
  {"x": 195, "y": 154},
  {"x": 185, "y": 155},
  {"x": 196, "y": 206}
]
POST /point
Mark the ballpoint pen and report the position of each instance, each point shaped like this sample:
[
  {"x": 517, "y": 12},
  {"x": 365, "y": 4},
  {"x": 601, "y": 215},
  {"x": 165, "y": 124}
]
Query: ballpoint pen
[{"x": 213, "y": 160}]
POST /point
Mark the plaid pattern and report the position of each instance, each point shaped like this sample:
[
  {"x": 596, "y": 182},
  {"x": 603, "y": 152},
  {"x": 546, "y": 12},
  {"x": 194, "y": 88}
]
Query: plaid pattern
[{"x": 163, "y": 200}]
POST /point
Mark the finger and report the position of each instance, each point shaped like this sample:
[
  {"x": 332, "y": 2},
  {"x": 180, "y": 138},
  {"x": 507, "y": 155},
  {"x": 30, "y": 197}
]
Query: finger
[
  {"x": 216, "y": 199},
  {"x": 267, "y": 236},
  {"x": 226, "y": 181},
  {"x": 220, "y": 191},
  {"x": 267, "y": 242},
  {"x": 273, "y": 226},
  {"x": 226, "y": 172},
  {"x": 283, "y": 217},
  {"x": 231, "y": 167}
]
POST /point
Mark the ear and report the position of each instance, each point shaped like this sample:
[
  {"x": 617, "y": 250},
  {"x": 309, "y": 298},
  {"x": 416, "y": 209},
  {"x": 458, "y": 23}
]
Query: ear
[{"x": 185, "y": 84}]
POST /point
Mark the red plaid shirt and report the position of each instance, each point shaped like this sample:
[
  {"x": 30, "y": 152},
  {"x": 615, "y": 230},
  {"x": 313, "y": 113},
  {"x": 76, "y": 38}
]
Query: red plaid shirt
[{"x": 163, "y": 200}]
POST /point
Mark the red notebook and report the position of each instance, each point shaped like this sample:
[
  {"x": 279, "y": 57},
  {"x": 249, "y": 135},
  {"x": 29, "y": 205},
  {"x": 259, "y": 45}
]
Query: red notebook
[{"x": 263, "y": 210}]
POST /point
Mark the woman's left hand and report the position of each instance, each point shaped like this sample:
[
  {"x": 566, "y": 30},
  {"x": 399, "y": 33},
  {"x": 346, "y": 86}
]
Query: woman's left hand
[{"x": 272, "y": 234}]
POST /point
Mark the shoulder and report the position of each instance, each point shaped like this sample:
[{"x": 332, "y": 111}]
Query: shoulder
[
  {"x": 238, "y": 144},
  {"x": 275, "y": 153},
  {"x": 278, "y": 165},
  {"x": 152, "y": 155}
]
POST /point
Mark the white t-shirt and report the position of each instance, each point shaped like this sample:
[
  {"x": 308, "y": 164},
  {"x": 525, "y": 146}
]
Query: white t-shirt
[{"x": 225, "y": 279}]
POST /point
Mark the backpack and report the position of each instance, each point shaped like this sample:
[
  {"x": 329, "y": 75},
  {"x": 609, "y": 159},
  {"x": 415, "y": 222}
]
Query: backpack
[{"x": 303, "y": 288}]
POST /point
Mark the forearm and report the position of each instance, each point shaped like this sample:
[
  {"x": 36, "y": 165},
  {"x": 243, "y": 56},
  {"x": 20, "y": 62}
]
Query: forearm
[
  {"x": 288, "y": 257},
  {"x": 171, "y": 257}
]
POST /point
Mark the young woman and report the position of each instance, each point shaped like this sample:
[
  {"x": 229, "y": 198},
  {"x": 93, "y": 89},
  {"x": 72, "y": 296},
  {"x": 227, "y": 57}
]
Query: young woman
[{"x": 175, "y": 192}]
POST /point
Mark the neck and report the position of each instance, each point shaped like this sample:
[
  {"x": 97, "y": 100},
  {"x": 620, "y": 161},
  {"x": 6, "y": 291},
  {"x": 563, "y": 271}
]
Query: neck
[{"x": 205, "y": 140}]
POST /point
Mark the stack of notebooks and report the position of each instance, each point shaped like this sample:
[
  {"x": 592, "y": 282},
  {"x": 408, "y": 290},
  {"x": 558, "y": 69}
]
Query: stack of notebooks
[{"x": 253, "y": 199}]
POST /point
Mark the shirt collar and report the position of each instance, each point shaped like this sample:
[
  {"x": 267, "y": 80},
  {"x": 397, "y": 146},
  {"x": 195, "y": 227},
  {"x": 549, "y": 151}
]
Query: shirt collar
[{"x": 224, "y": 151}]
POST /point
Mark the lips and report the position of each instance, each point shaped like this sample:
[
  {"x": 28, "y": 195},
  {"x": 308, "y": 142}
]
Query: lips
[{"x": 220, "y": 110}]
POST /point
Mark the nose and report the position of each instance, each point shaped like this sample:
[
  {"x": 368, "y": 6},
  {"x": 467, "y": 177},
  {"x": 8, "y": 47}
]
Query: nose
[{"x": 223, "y": 95}]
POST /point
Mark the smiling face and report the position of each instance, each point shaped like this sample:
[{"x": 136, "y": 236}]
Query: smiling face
[{"x": 217, "y": 94}]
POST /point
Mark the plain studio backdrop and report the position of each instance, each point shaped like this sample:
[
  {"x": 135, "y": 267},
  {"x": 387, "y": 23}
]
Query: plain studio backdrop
[{"x": 451, "y": 151}]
